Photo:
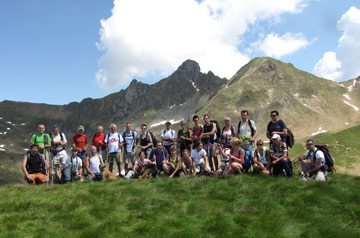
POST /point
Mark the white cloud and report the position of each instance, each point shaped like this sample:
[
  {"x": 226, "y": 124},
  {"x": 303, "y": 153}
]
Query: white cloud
[
  {"x": 278, "y": 46},
  {"x": 343, "y": 64},
  {"x": 328, "y": 67},
  {"x": 144, "y": 37}
]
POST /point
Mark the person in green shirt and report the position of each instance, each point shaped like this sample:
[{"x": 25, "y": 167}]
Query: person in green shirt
[{"x": 43, "y": 140}]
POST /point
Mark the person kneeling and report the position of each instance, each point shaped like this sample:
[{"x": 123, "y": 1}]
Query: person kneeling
[
  {"x": 313, "y": 163},
  {"x": 35, "y": 167},
  {"x": 72, "y": 167},
  {"x": 93, "y": 163}
]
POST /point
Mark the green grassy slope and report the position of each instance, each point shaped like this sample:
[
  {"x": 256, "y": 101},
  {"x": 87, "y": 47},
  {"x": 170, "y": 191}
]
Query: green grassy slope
[
  {"x": 304, "y": 101},
  {"x": 241, "y": 206}
]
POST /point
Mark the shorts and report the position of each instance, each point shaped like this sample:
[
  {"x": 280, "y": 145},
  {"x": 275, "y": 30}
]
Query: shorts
[
  {"x": 128, "y": 155},
  {"x": 116, "y": 156},
  {"x": 39, "y": 178}
]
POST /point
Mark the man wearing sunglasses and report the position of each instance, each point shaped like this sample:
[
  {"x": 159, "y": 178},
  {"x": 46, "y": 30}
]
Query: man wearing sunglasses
[
  {"x": 276, "y": 126},
  {"x": 313, "y": 163}
]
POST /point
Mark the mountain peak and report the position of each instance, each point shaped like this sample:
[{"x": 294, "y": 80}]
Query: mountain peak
[{"x": 189, "y": 66}]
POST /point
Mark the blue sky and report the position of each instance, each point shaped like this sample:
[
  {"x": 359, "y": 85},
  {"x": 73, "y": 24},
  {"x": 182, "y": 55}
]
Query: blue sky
[{"x": 57, "y": 52}]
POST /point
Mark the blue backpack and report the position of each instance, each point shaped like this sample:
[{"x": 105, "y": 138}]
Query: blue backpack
[{"x": 247, "y": 164}]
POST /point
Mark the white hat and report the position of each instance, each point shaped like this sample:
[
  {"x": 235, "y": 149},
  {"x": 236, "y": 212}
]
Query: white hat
[{"x": 275, "y": 136}]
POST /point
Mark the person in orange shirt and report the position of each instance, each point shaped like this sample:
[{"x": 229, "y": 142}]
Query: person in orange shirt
[{"x": 80, "y": 142}]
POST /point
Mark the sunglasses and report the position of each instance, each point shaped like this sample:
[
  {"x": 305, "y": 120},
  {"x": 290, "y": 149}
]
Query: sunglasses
[
  {"x": 309, "y": 144},
  {"x": 259, "y": 144},
  {"x": 273, "y": 115}
]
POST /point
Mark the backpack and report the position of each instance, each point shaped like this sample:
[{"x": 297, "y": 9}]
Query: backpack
[
  {"x": 329, "y": 161},
  {"x": 290, "y": 138},
  {"x": 45, "y": 138},
  {"x": 43, "y": 165},
  {"x": 251, "y": 128},
  {"x": 133, "y": 136},
  {"x": 218, "y": 132},
  {"x": 61, "y": 138},
  {"x": 153, "y": 138}
]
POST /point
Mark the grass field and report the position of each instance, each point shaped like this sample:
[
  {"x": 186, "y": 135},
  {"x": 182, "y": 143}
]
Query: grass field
[{"x": 240, "y": 206}]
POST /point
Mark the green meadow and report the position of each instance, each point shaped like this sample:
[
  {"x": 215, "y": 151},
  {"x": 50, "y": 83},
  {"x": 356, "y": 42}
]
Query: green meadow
[{"x": 239, "y": 206}]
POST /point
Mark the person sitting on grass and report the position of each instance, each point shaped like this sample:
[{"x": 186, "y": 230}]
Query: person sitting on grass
[
  {"x": 143, "y": 168},
  {"x": 224, "y": 153},
  {"x": 201, "y": 161},
  {"x": 160, "y": 156},
  {"x": 279, "y": 156},
  {"x": 262, "y": 160},
  {"x": 313, "y": 163},
  {"x": 188, "y": 164},
  {"x": 35, "y": 167},
  {"x": 176, "y": 168},
  {"x": 93, "y": 163},
  {"x": 237, "y": 157}
]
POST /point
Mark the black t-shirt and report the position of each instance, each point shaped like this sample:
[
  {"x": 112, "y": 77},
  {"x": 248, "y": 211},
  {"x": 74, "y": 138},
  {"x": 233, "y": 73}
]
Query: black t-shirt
[
  {"x": 279, "y": 125},
  {"x": 208, "y": 128}
]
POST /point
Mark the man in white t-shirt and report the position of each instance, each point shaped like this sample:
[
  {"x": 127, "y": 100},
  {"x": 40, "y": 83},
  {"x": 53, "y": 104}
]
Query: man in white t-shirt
[
  {"x": 93, "y": 163},
  {"x": 199, "y": 156},
  {"x": 58, "y": 152},
  {"x": 72, "y": 167},
  {"x": 168, "y": 137},
  {"x": 313, "y": 163},
  {"x": 114, "y": 141}
]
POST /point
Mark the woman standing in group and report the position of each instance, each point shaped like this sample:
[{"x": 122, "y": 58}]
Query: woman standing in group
[
  {"x": 228, "y": 132},
  {"x": 145, "y": 141}
]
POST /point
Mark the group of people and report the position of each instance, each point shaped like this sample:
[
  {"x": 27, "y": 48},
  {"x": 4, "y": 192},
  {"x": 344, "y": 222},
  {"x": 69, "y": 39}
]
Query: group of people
[{"x": 201, "y": 150}]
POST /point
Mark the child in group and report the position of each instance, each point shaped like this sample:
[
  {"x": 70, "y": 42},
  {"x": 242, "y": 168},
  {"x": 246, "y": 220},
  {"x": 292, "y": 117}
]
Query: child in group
[
  {"x": 188, "y": 164},
  {"x": 175, "y": 163}
]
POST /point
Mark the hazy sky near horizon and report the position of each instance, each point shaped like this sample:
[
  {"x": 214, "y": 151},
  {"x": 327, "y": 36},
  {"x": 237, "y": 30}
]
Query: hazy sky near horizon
[{"x": 57, "y": 52}]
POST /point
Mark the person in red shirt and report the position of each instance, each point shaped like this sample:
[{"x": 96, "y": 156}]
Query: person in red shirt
[
  {"x": 80, "y": 142},
  {"x": 98, "y": 141}
]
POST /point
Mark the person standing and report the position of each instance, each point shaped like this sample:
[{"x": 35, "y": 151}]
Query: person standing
[
  {"x": 130, "y": 138},
  {"x": 276, "y": 126},
  {"x": 114, "y": 144},
  {"x": 168, "y": 136},
  {"x": 145, "y": 141},
  {"x": 184, "y": 137},
  {"x": 98, "y": 140},
  {"x": 196, "y": 130},
  {"x": 80, "y": 142},
  {"x": 58, "y": 152},
  {"x": 247, "y": 132},
  {"x": 43, "y": 141}
]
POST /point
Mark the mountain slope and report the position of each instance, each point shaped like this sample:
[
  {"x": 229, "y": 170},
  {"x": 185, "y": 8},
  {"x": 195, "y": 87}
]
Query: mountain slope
[{"x": 305, "y": 102}]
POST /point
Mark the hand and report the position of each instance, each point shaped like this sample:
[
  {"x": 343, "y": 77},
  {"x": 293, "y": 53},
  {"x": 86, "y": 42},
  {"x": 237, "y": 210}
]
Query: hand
[
  {"x": 41, "y": 147},
  {"x": 30, "y": 178},
  {"x": 251, "y": 140},
  {"x": 93, "y": 175},
  {"x": 80, "y": 150},
  {"x": 170, "y": 176}
]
